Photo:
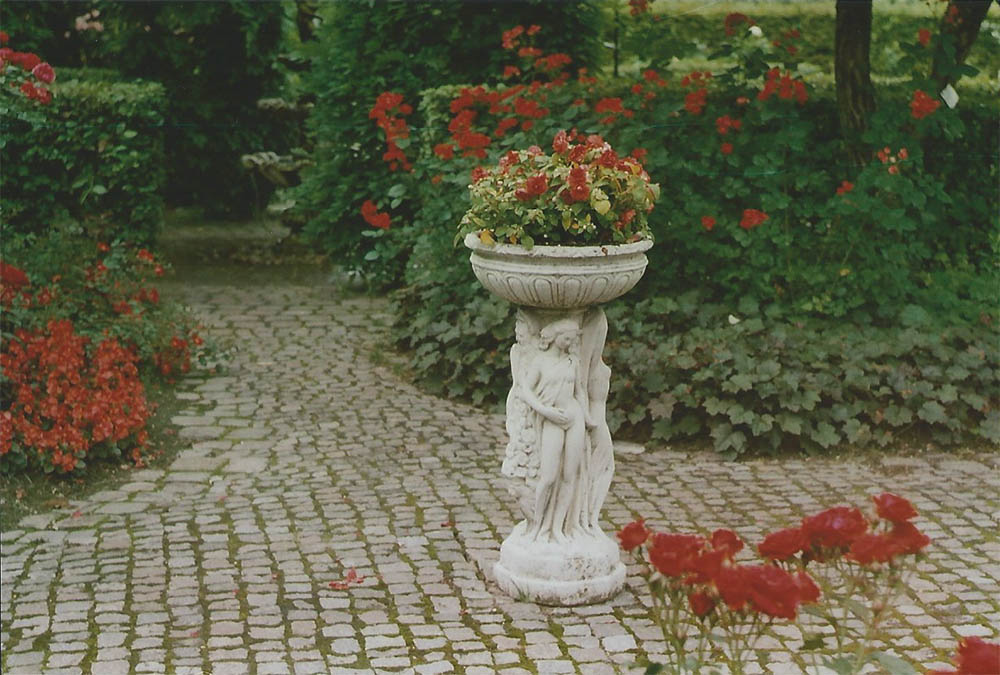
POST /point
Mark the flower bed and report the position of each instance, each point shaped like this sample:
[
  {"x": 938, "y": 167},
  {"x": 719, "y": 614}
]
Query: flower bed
[{"x": 84, "y": 330}]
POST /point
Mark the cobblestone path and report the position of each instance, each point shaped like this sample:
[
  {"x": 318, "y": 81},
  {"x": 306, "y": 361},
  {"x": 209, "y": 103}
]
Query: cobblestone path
[{"x": 309, "y": 463}]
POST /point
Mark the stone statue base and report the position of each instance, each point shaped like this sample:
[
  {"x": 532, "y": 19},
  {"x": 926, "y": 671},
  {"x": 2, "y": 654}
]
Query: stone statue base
[{"x": 585, "y": 570}]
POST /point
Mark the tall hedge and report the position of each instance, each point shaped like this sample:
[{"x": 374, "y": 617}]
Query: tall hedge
[
  {"x": 368, "y": 48},
  {"x": 215, "y": 59},
  {"x": 94, "y": 155}
]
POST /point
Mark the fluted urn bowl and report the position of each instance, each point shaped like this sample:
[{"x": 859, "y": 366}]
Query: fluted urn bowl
[{"x": 558, "y": 277}]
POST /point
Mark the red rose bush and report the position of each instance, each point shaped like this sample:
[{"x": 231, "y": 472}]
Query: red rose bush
[{"x": 840, "y": 564}]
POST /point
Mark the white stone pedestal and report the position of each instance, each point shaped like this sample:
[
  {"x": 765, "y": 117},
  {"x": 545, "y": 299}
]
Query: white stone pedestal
[
  {"x": 560, "y": 456},
  {"x": 584, "y": 571}
]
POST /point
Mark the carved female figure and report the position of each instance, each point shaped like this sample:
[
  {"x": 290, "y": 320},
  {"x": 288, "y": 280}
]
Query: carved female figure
[{"x": 553, "y": 389}]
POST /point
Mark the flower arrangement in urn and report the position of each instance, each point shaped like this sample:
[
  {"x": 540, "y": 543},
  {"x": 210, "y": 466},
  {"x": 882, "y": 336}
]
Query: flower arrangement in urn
[{"x": 582, "y": 194}]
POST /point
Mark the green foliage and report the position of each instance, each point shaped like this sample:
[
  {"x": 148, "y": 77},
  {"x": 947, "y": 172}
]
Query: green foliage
[
  {"x": 366, "y": 49},
  {"x": 94, "y": 155},
  {"x": 677, "y": 27},
  {"x": 215, "y": 60},
  {"x": 851, "y": 301},
  {"x": 759, "y": 381}
]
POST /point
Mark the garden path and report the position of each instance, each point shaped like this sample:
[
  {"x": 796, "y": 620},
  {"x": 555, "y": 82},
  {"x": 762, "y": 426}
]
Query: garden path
[{"x": 310, "y": 461}]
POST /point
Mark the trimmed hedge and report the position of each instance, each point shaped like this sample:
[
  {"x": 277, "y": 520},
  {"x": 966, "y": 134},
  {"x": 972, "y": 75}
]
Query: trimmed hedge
[{"x": 94, "y": 155}]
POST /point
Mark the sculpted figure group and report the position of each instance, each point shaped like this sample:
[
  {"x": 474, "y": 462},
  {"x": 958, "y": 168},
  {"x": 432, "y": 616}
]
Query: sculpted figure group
[{"x": 560, "y": 444}]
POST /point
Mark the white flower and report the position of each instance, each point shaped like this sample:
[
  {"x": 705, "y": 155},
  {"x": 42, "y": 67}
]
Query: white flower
[
  {"x": 756, "y": 31},
  {"x": 733, "y": 320}
]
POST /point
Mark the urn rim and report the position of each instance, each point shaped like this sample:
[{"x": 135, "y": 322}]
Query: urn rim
[{"x": 473, "y": 242}]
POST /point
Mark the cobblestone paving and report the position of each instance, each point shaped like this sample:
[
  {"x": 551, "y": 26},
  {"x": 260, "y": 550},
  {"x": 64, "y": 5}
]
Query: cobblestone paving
[{"x": 308, "y": 460}]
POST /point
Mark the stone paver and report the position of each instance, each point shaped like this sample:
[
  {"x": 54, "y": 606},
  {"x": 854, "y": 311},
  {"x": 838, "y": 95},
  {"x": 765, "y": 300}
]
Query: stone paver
[{"x": 307, "y": 459}]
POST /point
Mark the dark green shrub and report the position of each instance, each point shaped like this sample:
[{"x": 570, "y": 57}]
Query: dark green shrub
[
  {"x": 94, "y": 155},
  {"x": 370, "y": 48},
  {"x": 215, "y": 60}
]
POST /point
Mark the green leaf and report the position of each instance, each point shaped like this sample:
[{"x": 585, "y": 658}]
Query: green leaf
[
  {"x": 397, "y": 190},
  {"x": 654, "y": 669},
  {"x": 898, "y": 415},
  {"x": 894, "y": 664},
  {"x": 128, "y": 133},
  {"x": 932, "y": 412},
  {"x": 826, "y": 435},
  {"x": 99, "y": 190},
  {"x": 840, "y": 665}
]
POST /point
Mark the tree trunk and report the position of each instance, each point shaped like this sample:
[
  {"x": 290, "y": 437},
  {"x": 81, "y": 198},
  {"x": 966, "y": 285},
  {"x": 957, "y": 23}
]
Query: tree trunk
[
  {"x": 961, "y": 24},
  {"x": 852, "y": 69}
]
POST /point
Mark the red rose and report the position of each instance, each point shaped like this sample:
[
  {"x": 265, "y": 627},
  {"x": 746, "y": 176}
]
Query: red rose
[
  {"x": 845, "y": 187},
  {"x": 783, "y": 544},
  {"x": 726, "y": 148},
  {"x": 732, "y": 585},
  {"x": 893, "y": 507},
  {"x": 978, "y": 657},
  {"x": 922, "y": 105},
  {"x": 708, "y": 222},
  {"x": 633, "y": 535},
  {"x": 44, "y": 73},
  {"x": 835, "y": 528},
  {"x": 560, "y": 143},
  {"x": 908, "y": 538},
  {"x": 701, "y": 603},
  {"x": 537, "y": 184},
  {"x": 674, "y": 554},
  {"x": 727, "y": 541},
  {"x": 444, "y": 150},
  {"x": 12, "y": 276},
  {"x": 808, "y": 590},
  {"x": 923, "y": 36},
  {"x": 869, "y": 548},
  {"x": 752, "y": 218},
  {"x": 772, "y": 591}
]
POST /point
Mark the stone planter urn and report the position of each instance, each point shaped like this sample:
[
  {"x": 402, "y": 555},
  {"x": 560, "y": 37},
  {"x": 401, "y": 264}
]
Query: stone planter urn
[{"x": 559, "y": 458}]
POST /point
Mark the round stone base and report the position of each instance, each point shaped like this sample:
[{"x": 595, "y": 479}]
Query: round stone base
[{"x": 585, "y": 570}]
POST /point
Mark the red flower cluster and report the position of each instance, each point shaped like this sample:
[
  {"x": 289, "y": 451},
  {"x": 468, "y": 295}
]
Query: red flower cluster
[
  {"x": 613, "y": 106},
  {"x": 708, "y": 222},
  {"x": 922, "y": 105},
  {"x": 886, "y": 157},
  {"x": 637, "y": 7},
  {"x": 177, "y": 356},
  {"x": 785, "y": 86},
  {"x": 388, "y": 113},
  {"x": 845, "y": 187},
  {"x": 975, "y": 656},
  {"x": 752, "y": 218},
  {"x": 845, "y": 530},
  {"x": 30, "y": 63},
  {"x": 734, "y": 19},
  {"x": 924, "y": 37},
  {"x": 703, "y": 568},
  {"x": 695, "y": 101},
  {"x": 371, "y": 215},
  {"x": 12, "y": 281},
  {"x": 511, "y": 38},
  {"x": 789, "y": 35},
  {"x": 725, "y": 123},
  {"x": 64, "y": 403}
]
